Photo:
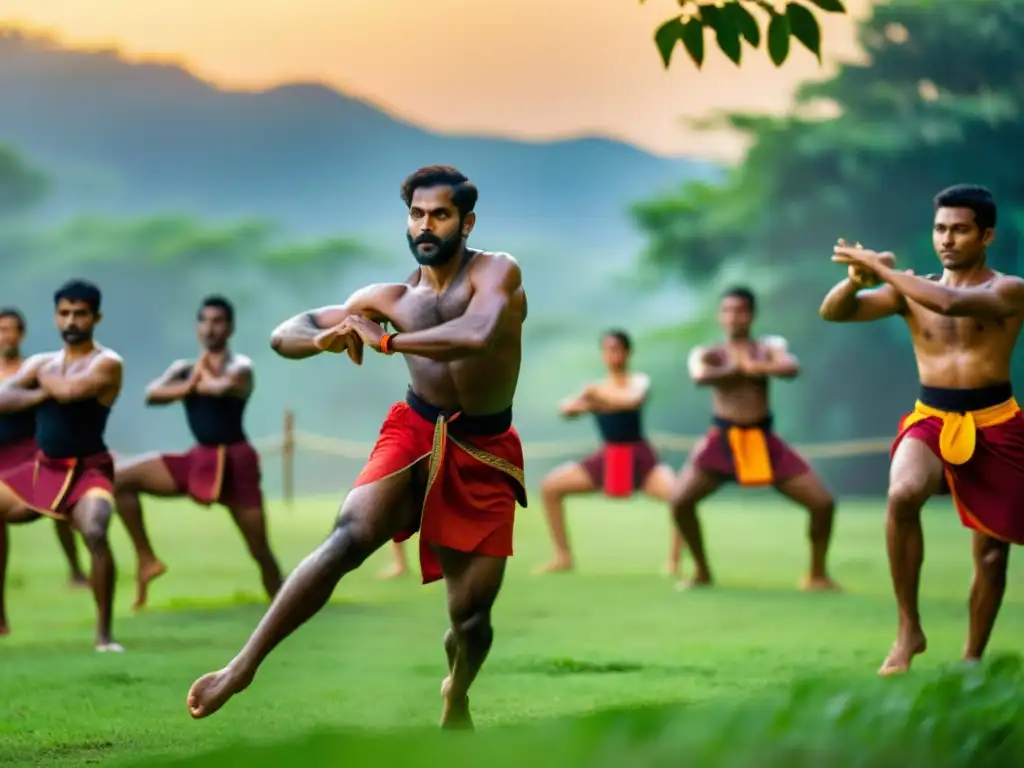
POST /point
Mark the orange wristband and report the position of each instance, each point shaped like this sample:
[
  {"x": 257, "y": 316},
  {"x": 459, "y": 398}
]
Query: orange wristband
[{"x": 386, "y": 343}]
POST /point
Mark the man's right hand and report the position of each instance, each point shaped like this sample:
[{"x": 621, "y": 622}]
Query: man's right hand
[{"x": 337, "y": 340}]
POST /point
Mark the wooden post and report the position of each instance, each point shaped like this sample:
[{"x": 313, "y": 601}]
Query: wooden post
[{"x": 288, "y": 455}]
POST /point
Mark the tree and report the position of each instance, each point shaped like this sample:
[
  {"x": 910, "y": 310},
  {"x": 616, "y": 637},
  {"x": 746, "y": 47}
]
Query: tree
[
  {"x": 22, "y": 186},
  {"x": 920, "y": 115},
  {"x": 733, "y": 22}
]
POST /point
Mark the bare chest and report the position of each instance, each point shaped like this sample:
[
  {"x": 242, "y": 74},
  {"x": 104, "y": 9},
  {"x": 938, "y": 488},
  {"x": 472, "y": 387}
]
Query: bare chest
[
  {"x": 935, "y": 332},
  {"x": 421, "y": 308}
]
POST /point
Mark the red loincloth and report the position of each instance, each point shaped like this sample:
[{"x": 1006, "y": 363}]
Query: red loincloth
[
  {"x": 224, "y": 474},
  {"x": 983, "y": 460},
  {"x": 473, "y": 483},
  {"x": 619, "y": 469},
  {"x": 53, "y": 486},
  {"x": 750, "y": 456},
  {"x": 17, "y": 453}
]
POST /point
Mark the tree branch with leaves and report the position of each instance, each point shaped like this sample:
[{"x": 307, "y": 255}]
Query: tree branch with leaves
[{"x": 736, "y": 21}]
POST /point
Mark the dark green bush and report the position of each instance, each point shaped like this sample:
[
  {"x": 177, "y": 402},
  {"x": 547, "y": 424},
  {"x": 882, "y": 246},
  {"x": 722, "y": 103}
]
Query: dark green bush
[{"x": 965, "y": 717}]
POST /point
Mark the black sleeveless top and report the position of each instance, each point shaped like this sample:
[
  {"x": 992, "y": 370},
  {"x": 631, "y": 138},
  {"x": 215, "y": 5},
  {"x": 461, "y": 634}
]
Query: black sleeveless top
[
  {"x": 215, "y": 420},
  {"x": 71, "y": 430},
  {"x": 15, "y": 427},
  {"x": 620, "y": 426}
]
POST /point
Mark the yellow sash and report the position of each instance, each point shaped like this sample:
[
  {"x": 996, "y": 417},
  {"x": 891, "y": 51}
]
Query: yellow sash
[
  {"x": 959, "y": 434},
  {"x": 750, "y": 455}
]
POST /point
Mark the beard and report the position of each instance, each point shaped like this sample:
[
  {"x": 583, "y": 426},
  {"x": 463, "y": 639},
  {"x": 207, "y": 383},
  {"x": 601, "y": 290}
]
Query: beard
[
  {"x": 444, "y": 249},
  {"x": 76, "y": 336}
]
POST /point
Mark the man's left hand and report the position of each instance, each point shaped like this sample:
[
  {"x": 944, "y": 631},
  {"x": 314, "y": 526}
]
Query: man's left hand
[
  {"x": 865, "y": 258},
  {"x": 370, "y": 332}
]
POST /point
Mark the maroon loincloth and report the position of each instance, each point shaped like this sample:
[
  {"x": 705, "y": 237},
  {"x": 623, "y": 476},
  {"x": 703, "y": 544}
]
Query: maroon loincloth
[
  {"x": 620, "y": 469},
  {"x": 16, "y": 453},
  {"x": 749, "y": 455},
  {"x": 52, "y": 487},
  {"x": 223, "y": 474}
]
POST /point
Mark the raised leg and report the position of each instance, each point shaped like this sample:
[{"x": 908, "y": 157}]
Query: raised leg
[
  {"x": 252, "y": 524},
  {"x": 473, "y": 583},
  {"x": 659, "y": 485},
  {"x": 692, "y": 486},
  {"x": 11, "y": 510},
  {"x": 914, "y": 476},
  {"x": 399, "y": 565},
  {"x": 66, "y": 537},
  {"x": 371, "y": 515},
  {"x": 143, "y": 474},
  {"x": 991, "y": 558},
  {"x": 91, "y": 516},
  {"x": 566, "y": 480},
  {"x": 809, "y": 491}
]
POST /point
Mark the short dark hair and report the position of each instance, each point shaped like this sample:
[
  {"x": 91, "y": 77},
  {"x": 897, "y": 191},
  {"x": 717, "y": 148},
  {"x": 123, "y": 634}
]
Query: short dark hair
[
  {"x": 217, "y": 302},
  {"x": 742, "y": 292},
  {"x": 979, "y": 199},
  {"x": 15, "y": 314},
  {"x": 620, "y": 336},
  {"x": 464, "y": 192},
  {"x": 80, "y": 290}
]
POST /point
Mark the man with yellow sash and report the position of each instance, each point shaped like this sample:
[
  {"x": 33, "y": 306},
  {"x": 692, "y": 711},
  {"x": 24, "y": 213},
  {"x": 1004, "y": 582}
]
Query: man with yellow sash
[
  {"x": 965, "y": 436},
  {"x": 741, "y": 446}
]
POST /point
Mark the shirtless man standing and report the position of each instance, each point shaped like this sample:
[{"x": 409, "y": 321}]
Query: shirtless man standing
[
  {"x": 741, "y": 446},
  {"x": 626, "y": 463},
  {"x": 965, "y": 436},
  {"x": 72, "y": 477},
  {"x": 18, "y": 432},
  {"x": 221, "y": 468},
  {"x": 447, "y": 461}
]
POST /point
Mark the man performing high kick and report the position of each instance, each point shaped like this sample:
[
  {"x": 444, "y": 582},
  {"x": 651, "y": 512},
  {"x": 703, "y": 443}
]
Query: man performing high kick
[
  {"x": 965, "y": 436},
  {"x": 221, "y": 468},
  {"x": 72, "y": 475},
  {"x": 448, "y": 461}
]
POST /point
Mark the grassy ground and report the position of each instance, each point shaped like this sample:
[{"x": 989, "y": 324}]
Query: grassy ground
[{"x": 613, "y": 634}]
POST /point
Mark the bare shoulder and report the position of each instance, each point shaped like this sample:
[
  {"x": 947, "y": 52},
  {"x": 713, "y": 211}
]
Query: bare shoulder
[
  {"x": 241, "y": 362},
  {"x": 1010, "y": 284},
  {"x": 496, "y": 269},
  {"x": 108, "y": 358},
  {"x": 34, "y": 362},
  {"x": 640, "y": 381}
]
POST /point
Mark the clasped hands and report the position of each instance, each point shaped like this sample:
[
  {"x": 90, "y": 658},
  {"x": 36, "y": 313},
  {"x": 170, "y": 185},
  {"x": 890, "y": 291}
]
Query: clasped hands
[
  {"x": 350, "y": 335},
  {"x": 863, "y": 263}
]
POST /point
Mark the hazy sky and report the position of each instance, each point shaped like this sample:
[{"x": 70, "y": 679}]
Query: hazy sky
[{"x": 526, "y": 68}]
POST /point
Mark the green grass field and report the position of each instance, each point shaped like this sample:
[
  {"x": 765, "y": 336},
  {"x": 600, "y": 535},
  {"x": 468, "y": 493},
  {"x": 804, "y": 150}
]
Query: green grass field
[{"x": 613, "y": 634}]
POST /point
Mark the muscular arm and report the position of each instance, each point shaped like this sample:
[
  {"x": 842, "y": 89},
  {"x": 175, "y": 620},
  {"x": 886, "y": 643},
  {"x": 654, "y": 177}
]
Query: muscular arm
[
  {"x": 22, "y": 391},
  {"x": 475, "y": 331},
  {"x": 848, "y": 303},
  {"x": 173, "y": 385},
  {"x": 1003, "y": 297},
  {"x": 293, "y": 338},
  {"x": 707, "y": 367},
  {"x": 105, "y": 373},
  {"x": 236, "y": 381}
]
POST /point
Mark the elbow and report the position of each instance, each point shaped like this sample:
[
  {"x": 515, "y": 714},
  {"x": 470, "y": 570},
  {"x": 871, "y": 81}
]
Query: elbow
[{"x": 828, "y": 313}]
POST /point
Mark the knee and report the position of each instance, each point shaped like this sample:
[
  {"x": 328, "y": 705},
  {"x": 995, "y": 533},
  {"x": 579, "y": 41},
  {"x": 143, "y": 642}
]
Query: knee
[
  {"x": 992, "y": 563},
  {"x": 683, "y": 500},
  {"x": 351, "y": 540},
  {"x": 474, "y": 628},
  {"x": 94, "y": 531},
  {"x": 549, "y": 488},
  {"x": 905, "y": 499}
]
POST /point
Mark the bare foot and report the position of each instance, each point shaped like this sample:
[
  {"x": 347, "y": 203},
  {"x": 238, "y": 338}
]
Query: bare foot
[
  {"x": 819, "y": 584},
  {"x": 907, "y": 646},
  {"x": 148, "y": 572},
  {"x": 5, "y": 628},
  {"x": 212, "y": 691},
  {"x": 455, "y": 714},
  {"x": 109, "y": 646},
  {"x": 695, "y": 582},
  {"x": 78, "y": 581},
  {"x": 558, "y": 564},
  {"x": 393, "y": 571},
  {"x": 672, "y": 570}
]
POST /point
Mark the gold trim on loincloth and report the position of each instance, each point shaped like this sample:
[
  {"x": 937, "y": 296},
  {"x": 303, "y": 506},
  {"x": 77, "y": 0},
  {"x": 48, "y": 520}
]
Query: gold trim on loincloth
[{"x": 959, "y": 435}]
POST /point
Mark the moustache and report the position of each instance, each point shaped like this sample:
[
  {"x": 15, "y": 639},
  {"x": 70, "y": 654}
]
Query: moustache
[{"x": 427, "y": 239}]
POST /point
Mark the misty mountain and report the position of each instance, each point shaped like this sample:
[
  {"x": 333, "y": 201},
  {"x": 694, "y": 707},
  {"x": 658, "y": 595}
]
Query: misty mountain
[{"x": 138, "y": 138}]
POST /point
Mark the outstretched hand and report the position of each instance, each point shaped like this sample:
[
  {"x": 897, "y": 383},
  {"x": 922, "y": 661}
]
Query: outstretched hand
[
  {"x": 340, "y": 339},
  {"x": 862, "y": 258}
]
